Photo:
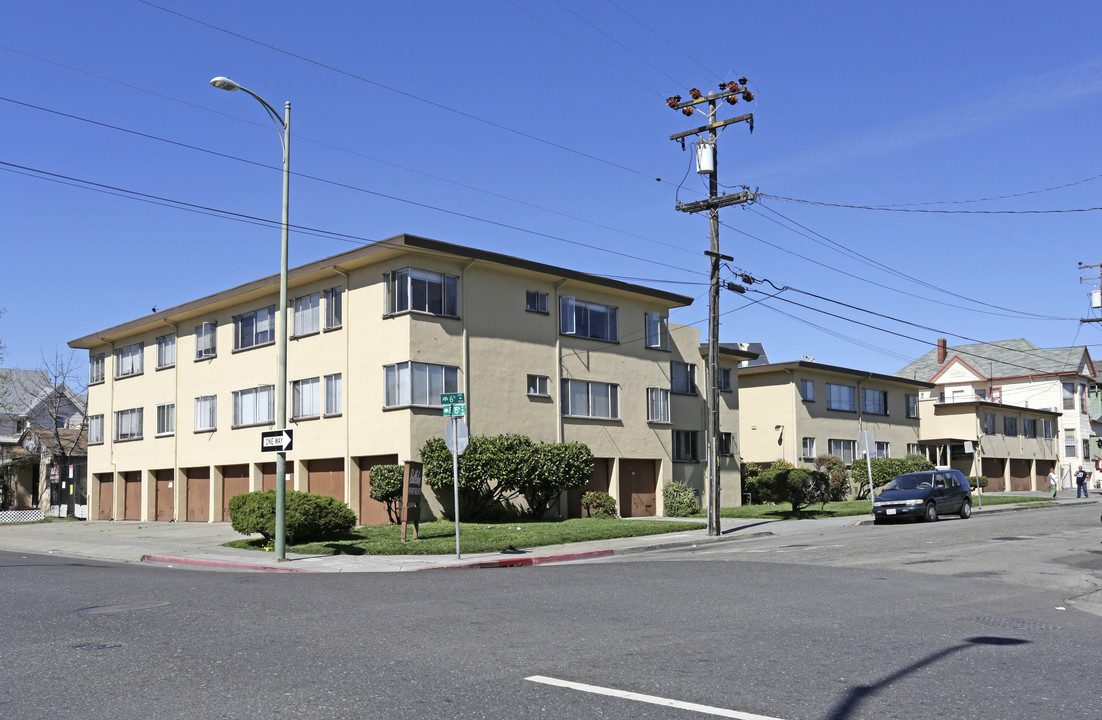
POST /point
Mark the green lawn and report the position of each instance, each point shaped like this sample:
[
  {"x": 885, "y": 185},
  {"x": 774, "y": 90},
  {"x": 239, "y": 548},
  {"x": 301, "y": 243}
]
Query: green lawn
[
  {"x": 438, "y": 538},
  {"x": 849, "y": 507}
]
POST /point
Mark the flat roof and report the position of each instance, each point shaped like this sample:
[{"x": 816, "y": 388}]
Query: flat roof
[{"x": 808, "y": 365}]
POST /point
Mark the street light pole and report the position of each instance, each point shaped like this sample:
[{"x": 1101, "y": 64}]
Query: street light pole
[{"x": 283, "y": 127}]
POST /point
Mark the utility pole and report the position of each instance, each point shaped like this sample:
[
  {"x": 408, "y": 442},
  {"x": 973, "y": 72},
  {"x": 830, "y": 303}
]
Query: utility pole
[
  {"x": 707, "y": 164},
  {"x": 1096, "y": 295}
]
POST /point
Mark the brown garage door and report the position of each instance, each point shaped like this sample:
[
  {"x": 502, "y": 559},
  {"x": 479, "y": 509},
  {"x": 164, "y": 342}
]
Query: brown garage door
[
  {"x": 372, "y": 512},
  {"x": 637, "y": 488},
  {"x": 166, "y": 502},
  {"x": 132, "y": 501},
  {"x": 326, "y": 477},
  {"x": 993, "y": 471},
  {"x": 235, "y": 480},
  {"x": 1020, "y": 479},
  {"x": 597, "y": 483},
  {"x": 268, "y": 472},
  {"x": 198, "y": 494},
  {"x": 105, "y": 509}
]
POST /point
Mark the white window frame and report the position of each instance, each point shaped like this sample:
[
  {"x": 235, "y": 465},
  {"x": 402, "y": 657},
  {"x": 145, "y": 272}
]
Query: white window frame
[
  {"x": 807, "y": 446},
  {"x": 912, "y": 406},
  {"x": 576, "y": 319},
  {"x": 307, "y": 315},
  {"x": 686, "y": 446},
  {"x": 657, "y": 330},
  {"x": 1069, "y": 395},
  {"x": 128, "y": 424},
  {"x": 874, "y": 402},
  {"x": 130, "y": 360},
  {"x": 882, "y": 449},
  {"x": 590, "y": 399},
  {"x": 1029, "y": 427},
  {"x": 682, "y": 378},
  {"x": 206, "y": 340},
  {"x": 334, "y": 395},
  {"x": 206, "y": 413},
  {"x": 658, "y": 405},
  {"x": 166, "y": 419},
  {"x": 253, "y": 406},
  {"x": 259, "y": 325},
  {"x": 535, "y": 301},
  {"x": 538, "y": 385},
  {"x": 166, "y": 351},
  {"x": 1071, "y": 446},
  {"x": 842, "y": 398},
  {"x": 95, "y": 429},
  {"x": 914, "y": 449},
  {"x": 334, "y": 308},
  {"x": 96, "y": 366},
  {"x": 306, "y": 398},
  {"x": 844, "y": 449},
  {"x": 413, "y": 384},
  {"x": 1048, "y": 428},
  {"x": 402, "y": 292}
]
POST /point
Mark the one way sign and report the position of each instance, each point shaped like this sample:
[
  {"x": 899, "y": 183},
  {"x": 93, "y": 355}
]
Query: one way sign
[{"x": 277, "y": 440}]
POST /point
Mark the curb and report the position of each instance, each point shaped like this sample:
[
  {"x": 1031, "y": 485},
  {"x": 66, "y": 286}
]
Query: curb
[
  {"x": 229, "y": 564},
  {"x": 524, "y": 561}
]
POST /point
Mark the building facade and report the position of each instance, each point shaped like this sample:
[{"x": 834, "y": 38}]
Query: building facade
[{"x": 178, "y": 398}]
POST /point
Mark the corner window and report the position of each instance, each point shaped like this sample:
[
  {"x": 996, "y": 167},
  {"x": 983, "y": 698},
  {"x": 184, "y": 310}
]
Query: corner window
[
  {"x": 685, "y": 444},
  {"x": 587, "y": 319},
  {"x": 206, "y": 413},
  {"x": 305, "y": 398},
  {"x": 128, "y": 360},
  {"x": 874, "y": 402},
  {"x": 411, "y": 289},
  {"x": 724, "y": 378},
  {"x": 412, "y": 383},
  {"x": 1069, "y": 396},
  {"x": 726, "y": 447},
  {"x": 128, "y": 424},
  {"x": 205, "y": 341},
  {"x": 254, "y": 406},
  {"x": 95, "y": 429},
  {"x": 334, "y": 308},
  {"x": 95, "y": 368},
  {"x": 590, "y": 399},
  {"x": 658, "y": 405},
  {"x": 807, "y": 390},
  {"x": 535, "y": 301},
  {"x": 539, "y": 385},
  {"x": 683, "y": 378},
  {"x": 166, "y": 419},
  {"x": 1010, "y": 426},
  {"x": 912, "y": 406},
  {"x": 658, "y": 331},
  {"x": 254, "y": 328},
  {"x": 307, "y": 313},
  {"x": 166, "y": 351},
  {"x": 841, "y": 397},
  {"x": 333, "y": 394},
  {"x": 988, "y": 423}
]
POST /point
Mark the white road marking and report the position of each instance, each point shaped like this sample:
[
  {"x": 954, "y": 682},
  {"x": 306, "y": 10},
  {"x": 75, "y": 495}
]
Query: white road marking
[{"x": 653, "y": 699}]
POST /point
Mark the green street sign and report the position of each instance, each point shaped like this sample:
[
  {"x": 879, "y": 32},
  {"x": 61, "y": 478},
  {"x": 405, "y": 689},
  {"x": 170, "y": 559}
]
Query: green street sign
[
  {"x": 457, "y": 410},
  {"x": 452, "y": 399}
]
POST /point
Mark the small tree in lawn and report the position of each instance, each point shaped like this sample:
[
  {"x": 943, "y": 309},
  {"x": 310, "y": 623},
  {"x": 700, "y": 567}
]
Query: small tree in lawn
[
  {"x": 386, "y": 487},
  {"x": 799, "y": 486},
  {"x": 488, "y": 471},
  {"x": 837, "y": 474},
  {"x": 553, "y": 469}
]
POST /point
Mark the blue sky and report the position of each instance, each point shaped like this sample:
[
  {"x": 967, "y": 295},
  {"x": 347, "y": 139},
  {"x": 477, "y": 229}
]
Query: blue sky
[{"x": 540, "y": 130}]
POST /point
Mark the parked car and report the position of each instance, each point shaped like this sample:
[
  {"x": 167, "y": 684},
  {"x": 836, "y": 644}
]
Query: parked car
[{"x": 924, "y": 496}]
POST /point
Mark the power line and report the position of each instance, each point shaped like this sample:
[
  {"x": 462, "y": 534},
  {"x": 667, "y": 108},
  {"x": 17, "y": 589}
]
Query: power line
[{"x": 887, "y": 208}]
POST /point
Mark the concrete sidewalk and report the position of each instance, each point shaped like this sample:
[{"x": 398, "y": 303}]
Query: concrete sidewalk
[{"x": 200, "y": 545}]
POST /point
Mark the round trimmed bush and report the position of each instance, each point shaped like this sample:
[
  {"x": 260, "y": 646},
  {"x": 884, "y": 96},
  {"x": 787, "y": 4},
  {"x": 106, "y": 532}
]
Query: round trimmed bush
[
  {"x": 679, "y": 500},
  {"x": 307, "y": 517}
]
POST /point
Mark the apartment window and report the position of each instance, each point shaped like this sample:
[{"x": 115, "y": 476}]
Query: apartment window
[
  {"x": 1086, "y": 449},
  {"x": 254, "y": 328},
  {"x": 685, "y": 446},
  {"x": 128, "y": 360},
  {"x": 1084, "y": 406},
  {"x": 807, "y": 390},
  {"x": 1010, "y": 426},
  {"x": 843, "y": 449},
  {"x": 307, "y": 314},
  {"x": 874, "y": 402},
  {"x": 1069, "y": 443},
  {"x": 422, "y": 291},
  {"x": 724, "y": 378},
  {"x": 333, "y": 396},
  {"x": 808, "y": 448},
  {"x": 658, "y": 405},
  {"x": 412, "y": 383},
  {"x": 255, "y": 406},
  {"x": 988, "y": 423},
  {"x": 95, "y": 368},
  {"x": 334, "y": 308},
  {"x": 166, "y": 419},
  {"x": 1029, "y": 427},
  {"x": 658, "y": 331},
  {"x": 206, "y": 413},
  {"x": 1047, "y": 428},
  {"x": 535, "y": 301},
  {"x": 841, "y": 397},
  {"x": 95, "y": 429},
  {"x": 914, "y": 449},
  {"x": 883, "y": 450},
  {"x": 539, "y": 385},
  {"x": 166, "y": 351},
  {"x": 1069, "y": 396},
  {"x": 205, "y": 345},
  {"x": 587, "y": 319},
  {"x": 912, "y": 406},
  {"x": 305, "y": 398},
  {"x": 726, "y": 444},
  {"x": 128, "y": 424},
  {"x": 997, "y": 395},
  {"x": 683, "y": 378},
  {"x": 582, "y": 398}
]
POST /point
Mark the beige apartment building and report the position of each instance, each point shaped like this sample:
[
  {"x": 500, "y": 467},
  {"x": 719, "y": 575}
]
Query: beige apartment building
[
  {"x": 178, "y": 399},
  {"x": 795, "y": 411}
]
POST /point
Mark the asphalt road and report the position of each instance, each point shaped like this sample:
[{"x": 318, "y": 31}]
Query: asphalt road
[{"x": 951, "y": 620}]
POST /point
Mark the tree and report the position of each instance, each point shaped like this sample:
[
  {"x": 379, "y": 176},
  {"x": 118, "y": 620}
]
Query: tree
[
  {"x": 553, "y": 469},
  {"x": 837, "y": 473},
  {"x": 799, "y": 486},
  {"x": 387, "y": 482}
]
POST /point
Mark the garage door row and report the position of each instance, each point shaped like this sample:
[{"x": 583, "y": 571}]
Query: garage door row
[{"x": 193, "y": 501}]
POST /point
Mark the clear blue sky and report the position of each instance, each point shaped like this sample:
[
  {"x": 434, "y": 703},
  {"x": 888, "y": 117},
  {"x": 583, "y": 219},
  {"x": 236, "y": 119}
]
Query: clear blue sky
[{"x": 537, "y": 129}]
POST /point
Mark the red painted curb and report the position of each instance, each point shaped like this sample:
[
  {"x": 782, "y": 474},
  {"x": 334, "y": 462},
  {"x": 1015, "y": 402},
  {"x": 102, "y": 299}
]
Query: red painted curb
[
  {"x": 220, "y": 563},
  {"x": 526, "y": 561}
]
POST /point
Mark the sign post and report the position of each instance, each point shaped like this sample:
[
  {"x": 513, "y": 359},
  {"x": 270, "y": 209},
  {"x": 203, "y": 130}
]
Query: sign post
[{"x": 455, "y": 437}]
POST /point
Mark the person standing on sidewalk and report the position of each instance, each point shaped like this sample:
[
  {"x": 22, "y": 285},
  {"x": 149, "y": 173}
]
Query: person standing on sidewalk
[
  {"x": 1053, "y": 480},
  {"x": 1081, "y": 483}
]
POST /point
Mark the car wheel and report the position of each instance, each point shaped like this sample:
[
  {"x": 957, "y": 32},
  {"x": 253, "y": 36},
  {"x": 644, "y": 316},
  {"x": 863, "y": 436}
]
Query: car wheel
[
  {"x": 878, "y": 521},
  {"x": 966, "y": 509},
  {"x": 931, "y": 512}
]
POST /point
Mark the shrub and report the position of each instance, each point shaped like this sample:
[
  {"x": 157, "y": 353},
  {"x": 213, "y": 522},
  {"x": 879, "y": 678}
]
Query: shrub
[
  {"x": 837, "y": 474},
  {"x": 488, "y": 471},
  {"x": 884, "y": 470},
  {"x": 386, "y": 487},
  {"x": 599, "y": 504},
  {"x": 307, "y": 517},
  {"x": 799, "y": 486},
  {"x": 976, "y": 481},
  {"x": 552, "y": 469},
  {"x": 680, "y": 500}
]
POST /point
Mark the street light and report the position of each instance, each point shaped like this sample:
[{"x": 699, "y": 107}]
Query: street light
[{"x": 283, "y": 127}]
